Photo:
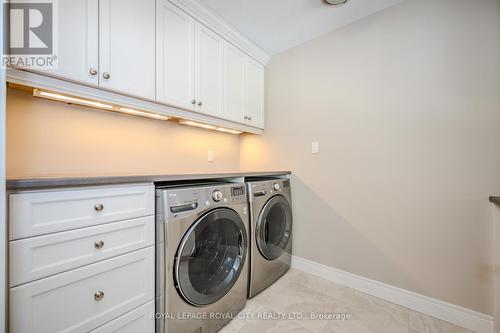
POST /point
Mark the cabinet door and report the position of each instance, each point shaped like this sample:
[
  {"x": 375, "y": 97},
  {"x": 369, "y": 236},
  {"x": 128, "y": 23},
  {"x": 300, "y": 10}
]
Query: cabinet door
[
  {"x": 78, "y": 41},
  {"x": 175, "y": 56},
  {"x": 137, "y": 320},
  {"x": 234, "y": 83},
  {"x": 33, "y": 258},
  {"x": 84, "y": 298},
  {"x": 254, "y": 93},
  {"x": 44, "y": 212},
  {"x": 127, "y": 47},
  {"x": 208, "y": 71}
]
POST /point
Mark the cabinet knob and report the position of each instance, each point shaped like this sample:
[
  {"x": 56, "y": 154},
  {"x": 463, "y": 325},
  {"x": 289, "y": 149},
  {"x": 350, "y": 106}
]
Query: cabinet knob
[
  {"x": 200, "y": 103},
  {"x": 99, "y": 295},
  {"x": 246, "y": 117},
  {"x": 99, "y": 207},
  {"x": 106, "y": 75},
  {"x": 93, "y": 71},
  {"x": 99, "y": 244},
  {"x": 193, "y": 102},
  {"x": 249, "y": 118}
]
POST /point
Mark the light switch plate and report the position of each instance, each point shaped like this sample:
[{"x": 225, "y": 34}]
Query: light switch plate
[
  {"x": 315, "y": 147},
  {"x": 210, "y": 155}
]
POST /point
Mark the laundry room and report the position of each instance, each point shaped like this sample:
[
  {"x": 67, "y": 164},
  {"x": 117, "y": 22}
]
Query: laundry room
[{"x": 203, "y": 166}]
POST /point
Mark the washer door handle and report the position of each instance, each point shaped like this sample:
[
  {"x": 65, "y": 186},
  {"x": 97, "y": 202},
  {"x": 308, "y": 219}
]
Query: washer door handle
[
  {"x": 240, "y": 243},
  {"x": 266, "y": 232}
]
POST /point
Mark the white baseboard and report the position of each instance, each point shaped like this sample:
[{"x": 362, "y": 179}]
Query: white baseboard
[{"x": 466, "y": 318}]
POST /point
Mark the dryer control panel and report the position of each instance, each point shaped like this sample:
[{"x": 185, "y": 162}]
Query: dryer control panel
[{"x": 267, "y": 188}]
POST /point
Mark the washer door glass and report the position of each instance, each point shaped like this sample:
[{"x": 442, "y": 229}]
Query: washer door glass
[
  {"x": 274, "y": 227},
  {"x": 210, "y": 257}
]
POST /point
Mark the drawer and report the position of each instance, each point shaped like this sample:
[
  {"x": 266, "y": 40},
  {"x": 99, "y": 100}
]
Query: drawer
[
  {"x": 139, "y": 320},
  {"x": 43, "y": 212},
  {"x": 70, "y": 302},
  {"x": 37, "y": 257}
]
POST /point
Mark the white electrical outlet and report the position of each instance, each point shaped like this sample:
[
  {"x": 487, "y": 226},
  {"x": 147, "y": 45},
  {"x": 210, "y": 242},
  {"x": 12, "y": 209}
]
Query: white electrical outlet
[
  {"x": 315, "y": 147},
  {"x": 210, "y": 155}
]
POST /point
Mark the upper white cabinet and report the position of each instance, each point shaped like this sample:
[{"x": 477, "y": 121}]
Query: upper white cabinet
[
  {"x": 254, "y": 93},
  {"x": 78, "y": 44},
  {"x": 109, "y": 44},
  {"x": 127, "y": 46},
  {"x": 243, "y": 88},
  {"x": 175, "y": 56},
  {"x": 234, "y": 83},
  {"x": 189, "y": 62},
  {"x": 208, "y": 71}
]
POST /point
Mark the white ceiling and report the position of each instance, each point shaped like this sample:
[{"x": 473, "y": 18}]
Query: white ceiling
[{"x": 277, "y": 25}]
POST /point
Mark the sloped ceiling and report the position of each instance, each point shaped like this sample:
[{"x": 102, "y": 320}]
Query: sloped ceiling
[{"x": 277, "y": 25}]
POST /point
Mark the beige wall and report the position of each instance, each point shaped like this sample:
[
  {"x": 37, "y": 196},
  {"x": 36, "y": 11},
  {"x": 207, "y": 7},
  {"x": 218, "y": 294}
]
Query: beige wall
[
  {"x": 46, "y": 138},
  {"x": 405, "y": 105}
]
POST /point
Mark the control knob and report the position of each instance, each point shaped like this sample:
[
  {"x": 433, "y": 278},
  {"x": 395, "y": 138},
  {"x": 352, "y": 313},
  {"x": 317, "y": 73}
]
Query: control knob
[
  {"x": 217, "y": 195},
  {"x": 276, "y": 186}
]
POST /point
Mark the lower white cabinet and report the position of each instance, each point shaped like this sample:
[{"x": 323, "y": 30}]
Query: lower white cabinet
[
  {"x": 139, "y": 320},
  {"x": 35, "y": 213},
  {"x": 84, "y": 298},
  {"x": 38, "y": 257}
]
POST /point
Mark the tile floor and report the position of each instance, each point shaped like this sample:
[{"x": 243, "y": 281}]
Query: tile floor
[{"x": 298, "y": 293}]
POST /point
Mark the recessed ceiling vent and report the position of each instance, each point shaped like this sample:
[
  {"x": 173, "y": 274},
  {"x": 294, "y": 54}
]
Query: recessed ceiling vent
[{"x": 336, "y": 2}]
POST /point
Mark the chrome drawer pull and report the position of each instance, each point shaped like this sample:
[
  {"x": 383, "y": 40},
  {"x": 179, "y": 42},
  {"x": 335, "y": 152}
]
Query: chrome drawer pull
[
  {"x": 99, "y": 244},
  {"x": 99, "y": 295},
  {"x": 99, "y": 207}
]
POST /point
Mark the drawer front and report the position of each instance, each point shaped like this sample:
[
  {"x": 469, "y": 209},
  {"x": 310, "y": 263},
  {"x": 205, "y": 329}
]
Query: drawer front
[
  {"x": 71, "y": 301},
  {"x": 44, "y": 212},
  {"x": 139, "y": 320},
  {"x": 42, "y": 256}
]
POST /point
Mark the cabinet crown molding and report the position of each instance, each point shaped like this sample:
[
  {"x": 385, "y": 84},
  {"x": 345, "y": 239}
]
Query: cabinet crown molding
[{"x": 205, "y": 15}]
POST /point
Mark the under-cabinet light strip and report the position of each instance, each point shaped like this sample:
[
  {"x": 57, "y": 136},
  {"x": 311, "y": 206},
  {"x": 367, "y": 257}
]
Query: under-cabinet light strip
[
  {"x": 111, "y": 107},
  {"x": 86, "y": 102},
  {"x": 207, "y": 126},
  {"x": 143, "y": 113},
  {"x": 227, "y": 130},
  {"x": 69, "y": 99},
  {"x": 196, "y": 124}
]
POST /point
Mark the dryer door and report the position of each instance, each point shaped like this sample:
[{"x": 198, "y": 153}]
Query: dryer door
[
  {"x": 210, "y": 257},
  {"x": 274, "y": 227}
]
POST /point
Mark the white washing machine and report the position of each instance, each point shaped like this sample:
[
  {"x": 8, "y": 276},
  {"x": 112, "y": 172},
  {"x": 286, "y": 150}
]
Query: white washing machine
[
  {"x": 270, "y": 202},
  {"x": 202, "y": 246}
]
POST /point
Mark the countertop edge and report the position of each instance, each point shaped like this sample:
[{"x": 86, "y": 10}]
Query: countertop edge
[
  {"x": 495, "y": 200},
  {"x": 43, "y": 183}
]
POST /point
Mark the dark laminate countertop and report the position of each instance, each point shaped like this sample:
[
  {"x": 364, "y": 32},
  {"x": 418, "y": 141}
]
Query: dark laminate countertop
[
  {"x": 26, "y": 184},
  {"x": 495, "y": 200}
]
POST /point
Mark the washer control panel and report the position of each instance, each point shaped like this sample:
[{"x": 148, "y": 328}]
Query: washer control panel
[{"x": 181, "y": 201}]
